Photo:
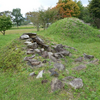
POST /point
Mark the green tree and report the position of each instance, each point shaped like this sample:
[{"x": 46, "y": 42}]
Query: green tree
[
  {"x": 18, "y": 18},
  {"x": 5, "y": 23},
  {"x": 47, "y": 16},
  {"x": 94, "y": 9},
  {"x": 34, "y": 18}
]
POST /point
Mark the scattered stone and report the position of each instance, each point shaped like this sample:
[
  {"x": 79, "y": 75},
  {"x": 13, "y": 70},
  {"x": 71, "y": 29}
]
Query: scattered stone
[
  {"x": 44, "y": 81},
  {"x": 53, "y": 58},
  {"x": 31, "y": 35},
  {"x": 50, "y": 54},
  {"x": 52, "y": 70},
  {"x": 30, "y": 51},
  {"x": 40, "y": 75},
  {"x": 37, "y": 51},
  {"x": 80, "y": 67},
  {"x": 39, "y": 40},
  {"x": 54, "y": 73},
  {"x": 59, "y": 66},
  {"x": 56, "y": 84},
  {"x": 42, "y": 50},
  {"x": 80, "y": 59},
  {"x": 76, "y": 83},
  {"x": 24, "y": 37},
  {"x": 32, "y": 74},
  {"x": 67, "y": 71},
  {"x": 45, "y": 54},
  {"x": 32, "y": 45},
  {"x": 93, "y": 61},
  {"x": 27, "y": 42},
  {"x": 28, "y": 58},
  {"x": 59, "y": 48},
  {"x": 35, "y": 63},
  {"x": 68, "y": 79},
  {"x": 88, "y": 56}
]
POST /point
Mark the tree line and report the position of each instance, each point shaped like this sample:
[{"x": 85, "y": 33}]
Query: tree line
[{"x": 63, "y": 9}]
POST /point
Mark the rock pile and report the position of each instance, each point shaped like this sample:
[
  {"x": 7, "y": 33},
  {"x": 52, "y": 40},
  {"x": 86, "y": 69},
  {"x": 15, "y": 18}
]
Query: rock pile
[{"x": 35, "y": 45}]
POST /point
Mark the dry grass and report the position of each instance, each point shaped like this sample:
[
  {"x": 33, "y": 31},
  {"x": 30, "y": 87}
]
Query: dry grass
[{"x": 20, "y": 31}]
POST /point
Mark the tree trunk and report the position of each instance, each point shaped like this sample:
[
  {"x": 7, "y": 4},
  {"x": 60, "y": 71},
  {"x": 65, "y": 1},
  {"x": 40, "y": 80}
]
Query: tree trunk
[
  {"x": 17, "y": 24},
  {"x": 37, "y": 27},
  {"x": 3, "y": 32}
]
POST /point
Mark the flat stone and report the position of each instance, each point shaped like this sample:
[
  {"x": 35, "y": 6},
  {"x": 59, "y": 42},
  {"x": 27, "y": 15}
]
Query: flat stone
[
  {"x": 28, "y": 58},
  {"x": 53, "y": 59},
  {"x": 30, "y": 51},
  {"x": 80, "y": 59},
  {"x": 80, "y": 67},
  {"x": 27, "y": 42},
  {"x": 68, "y": 78},
  {"x": 24, "y": 37},
  {"x": 59, "y": 66},
  {"x": 31, "y": 35},
  {"x": 88, "y": 56},
  {"x": 56, "y": 84},
  {"x": 50, "y": 54},
  {"x": 40, "y": 75},
  {"x": 32, "y": 74},
  {"x": 76, "y": 83}
]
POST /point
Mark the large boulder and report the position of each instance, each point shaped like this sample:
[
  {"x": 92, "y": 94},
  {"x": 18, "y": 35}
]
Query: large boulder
[{"x": 56, "y": 84}]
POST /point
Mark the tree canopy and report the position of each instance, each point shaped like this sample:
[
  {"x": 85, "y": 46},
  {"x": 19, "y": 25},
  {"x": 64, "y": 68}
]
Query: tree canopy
[
  {"x": 67, "y": 8},
  {"x": 18, "y": 18},
  {"x": 5, "y": 23}
]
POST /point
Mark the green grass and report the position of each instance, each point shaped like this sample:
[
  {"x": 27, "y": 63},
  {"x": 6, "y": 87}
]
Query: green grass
[{"x": 15, "y": 83}]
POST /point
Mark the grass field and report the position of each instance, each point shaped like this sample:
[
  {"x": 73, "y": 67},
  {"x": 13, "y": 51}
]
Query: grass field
[{"x": 15, "y": 83}]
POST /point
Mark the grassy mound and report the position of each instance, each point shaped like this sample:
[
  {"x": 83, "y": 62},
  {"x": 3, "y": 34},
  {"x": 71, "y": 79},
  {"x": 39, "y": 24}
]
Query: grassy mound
[{"x": 74, "y": 29}]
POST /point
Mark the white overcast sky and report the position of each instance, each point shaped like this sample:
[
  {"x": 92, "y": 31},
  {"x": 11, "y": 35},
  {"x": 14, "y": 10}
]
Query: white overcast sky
[{"x": 29, "y": 5}]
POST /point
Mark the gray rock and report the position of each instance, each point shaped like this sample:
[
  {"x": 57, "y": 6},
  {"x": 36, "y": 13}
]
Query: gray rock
[
  {"x": 45, "y": 54},
  {"x": 24, "y": 37},
  {"x": 54, "y": 73},
  {"x": 50, "y": 54},
  {"x": 31, "y": 35},
  {"x": 28, "y": 58},
  {"x": 80, "y": 67},
  {"x": 52, "y": 70},
  {"x": 30, "y": 51},
  {"x": 59, "y": 48},
  {"x": 88, "y": 56},
  {"x": 27, "y": 42},
  {"x": 32, "y": 74},
  {"x": 76, "y": 83},
  {"x": 40, "y": 75},
  {"x": 59, "y": 66},
  {"x": 37, "y": 51},
  {"x": 39, "y": 40},
  {"x": 68, "y": 79},
  {"x": 80, "y": 59},
  {"x": 53, "y": 59},
  {"x": 32, "y": 45},
  {"x": 93, "y": 61},
  {"x": 56, "y": 84}
]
